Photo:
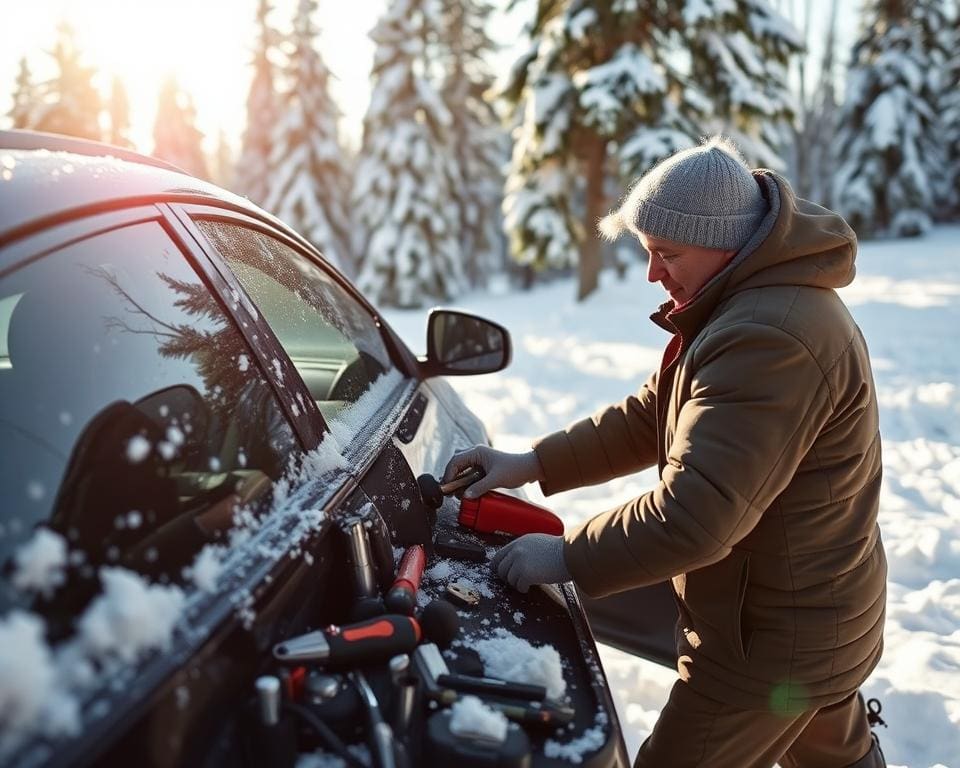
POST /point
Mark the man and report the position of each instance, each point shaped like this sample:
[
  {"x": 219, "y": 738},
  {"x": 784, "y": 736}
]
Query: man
[{"x": 763, "y": 422}]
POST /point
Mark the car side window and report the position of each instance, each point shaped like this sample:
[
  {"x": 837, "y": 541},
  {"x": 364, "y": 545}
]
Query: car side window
[
  {"x": 133, "y": 418},
  {"x": 332, "y": 340}
]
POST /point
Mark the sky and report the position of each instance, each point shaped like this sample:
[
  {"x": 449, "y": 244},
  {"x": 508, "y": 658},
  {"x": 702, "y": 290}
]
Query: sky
[{"x": 207, "y": 44}]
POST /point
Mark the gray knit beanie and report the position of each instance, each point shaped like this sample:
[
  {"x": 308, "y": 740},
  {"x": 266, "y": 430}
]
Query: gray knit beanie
[{"x": 702, "y": 196}]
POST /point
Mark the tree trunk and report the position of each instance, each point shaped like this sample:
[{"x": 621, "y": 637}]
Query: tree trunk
[{"x": 590, "y": 263}]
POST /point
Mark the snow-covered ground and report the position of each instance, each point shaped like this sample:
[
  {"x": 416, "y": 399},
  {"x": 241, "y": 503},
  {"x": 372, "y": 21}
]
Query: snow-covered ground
[{"x": 571, "y": 358}]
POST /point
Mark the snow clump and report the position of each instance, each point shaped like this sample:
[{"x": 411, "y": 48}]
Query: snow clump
[
  {"x": 40, "y": 563},
  {"x": 130, "y": 616},
  {"x": 509, "y": 657},
  {"x": 469, "y": 716}
]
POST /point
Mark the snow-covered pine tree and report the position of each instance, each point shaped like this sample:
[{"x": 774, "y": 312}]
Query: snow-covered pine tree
[
  {"x": 542, "y": 227},
  {"x": 594, "y": 76},
  {"x": 26, "y": 98},
  {"x": 119, "y": 114},
  {"x": 887, "y": 125},
  {"x": 70, "y": 104},
  {"x": 480, "y": 145},
  {"x": 309, "y": 184},
  {"x": 931, "y": 19},
  {"x": 403, "y": 194},
  {"x": 950, "y": 109},
  {"x": 175, "y": 135},
  {"x": 739, "y": 52},
  {"x": 253, "y": 169}
]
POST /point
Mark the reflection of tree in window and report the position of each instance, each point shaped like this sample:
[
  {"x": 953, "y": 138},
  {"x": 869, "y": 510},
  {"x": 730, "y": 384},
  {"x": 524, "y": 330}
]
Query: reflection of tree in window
[
  {"x": 331, "y": 339},
  {"x": 132, "y": 416},
  {"x": 214, "y": 352}
]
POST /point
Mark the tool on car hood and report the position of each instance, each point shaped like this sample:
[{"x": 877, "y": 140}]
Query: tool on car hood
[
  {"x": 402, "y": 597},
  {"x": 433, "y": 491},
  {"x": 368, "y": 602},
  {"x": 364, "y": 642},
  {"x": 431, "y": 666},
  {"x": 382, "y": 742},
  {"x": 496, "y": 512},
  {"x": 439, "y": 622}
]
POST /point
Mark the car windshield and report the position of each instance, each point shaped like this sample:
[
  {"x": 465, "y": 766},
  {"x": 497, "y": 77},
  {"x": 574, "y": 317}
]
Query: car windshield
[{"x": 132, "y": 419}]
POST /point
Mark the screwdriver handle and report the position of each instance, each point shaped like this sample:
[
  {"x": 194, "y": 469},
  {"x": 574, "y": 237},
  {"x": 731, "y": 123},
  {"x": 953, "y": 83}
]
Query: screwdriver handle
[
  {"x": 371, "y": 641},
  {"x": 469, "y": 477},
  {"x": 365, "y": 642},
  {"x": 402, "y": 596}
]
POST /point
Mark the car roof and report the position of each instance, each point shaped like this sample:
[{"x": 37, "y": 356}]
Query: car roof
[{"x": 45, "y": 177}]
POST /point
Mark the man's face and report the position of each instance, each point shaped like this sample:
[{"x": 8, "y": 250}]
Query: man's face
[{"x": 681, "y": 269}]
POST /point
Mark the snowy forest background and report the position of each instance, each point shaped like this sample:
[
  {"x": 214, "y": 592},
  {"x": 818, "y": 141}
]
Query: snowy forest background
[{"x": 464, "y": 174}]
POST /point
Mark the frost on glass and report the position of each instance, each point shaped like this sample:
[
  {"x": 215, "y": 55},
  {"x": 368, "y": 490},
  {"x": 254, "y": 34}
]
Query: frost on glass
[
  {"x": 332, "y": 340},
  {"x": 128, "y": 432}
]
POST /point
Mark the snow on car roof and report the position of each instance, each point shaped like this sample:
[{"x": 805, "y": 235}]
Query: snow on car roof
[{"x": 39, "y": 183}]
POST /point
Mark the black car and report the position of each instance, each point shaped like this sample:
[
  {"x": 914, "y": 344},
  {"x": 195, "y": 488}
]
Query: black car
[{"x": 196, "y": 411}]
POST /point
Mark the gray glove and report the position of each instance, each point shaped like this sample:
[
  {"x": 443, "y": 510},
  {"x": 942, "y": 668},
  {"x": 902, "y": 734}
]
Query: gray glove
[
  {"x": 536, "y": 558},
  {"x": 501, "y": 469}
]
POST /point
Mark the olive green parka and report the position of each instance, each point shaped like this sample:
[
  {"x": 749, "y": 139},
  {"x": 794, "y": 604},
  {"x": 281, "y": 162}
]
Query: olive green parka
[{"x": 763, "y": 422}]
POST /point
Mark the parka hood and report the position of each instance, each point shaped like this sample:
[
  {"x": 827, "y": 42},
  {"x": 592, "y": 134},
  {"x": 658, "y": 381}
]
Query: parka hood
[
  {"x": 797, "y": 243},
  {"x": 802, "y": 243}
]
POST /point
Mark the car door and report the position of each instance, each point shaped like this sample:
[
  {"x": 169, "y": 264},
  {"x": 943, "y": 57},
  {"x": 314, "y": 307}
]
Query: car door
[
  {"x": 390, "y": 427},
  {"x": 135, "y": 421}
]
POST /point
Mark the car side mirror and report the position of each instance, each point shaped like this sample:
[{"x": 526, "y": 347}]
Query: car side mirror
[{"x": 461, "y": 344}]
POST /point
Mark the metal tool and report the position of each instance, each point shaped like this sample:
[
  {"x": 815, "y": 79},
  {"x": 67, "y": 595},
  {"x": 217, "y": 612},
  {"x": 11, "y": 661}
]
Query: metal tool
[
  {"x": 382, "y": 743},
  {"x": 463, "y": 594},
  {"x": 364, "y": 576},
  {"x": 268, "y": 696},
  {"x": 430, "y": 667},
  {"x": 404, "y": 691},
  {"x": 320, "y": 687},
  {"x": 491, "y": 685}
]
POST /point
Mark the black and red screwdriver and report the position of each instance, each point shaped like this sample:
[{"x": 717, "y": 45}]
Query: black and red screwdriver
[{"x": 352, "y": 645}]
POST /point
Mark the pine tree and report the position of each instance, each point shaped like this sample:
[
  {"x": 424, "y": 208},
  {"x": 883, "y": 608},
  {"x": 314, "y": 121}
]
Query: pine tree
[
  {"x": 480, "y": 147},
  {"x": 950, "y": 109},
  {"x": 70, "y": 104},
  {"x": 884, "y": 183},
  {"x": 595, "y": 81},
  {"x": 119, "y": 114},
  {"x": 739, "y": 55},
  {"x": 26, "y": 98},
  {"x": 176, "y": 137},
  {"x": 403, "y": 194},
  {"x": 253, "y": 169},
  {"x": 930, "y": 18},
  {"x": 810, "y": 168},
  {"x": 309, "y": 184}
]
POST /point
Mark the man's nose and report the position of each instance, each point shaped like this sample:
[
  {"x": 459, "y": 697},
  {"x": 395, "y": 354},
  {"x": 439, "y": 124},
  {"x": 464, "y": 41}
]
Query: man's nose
[{"x": 655, "y": 270}]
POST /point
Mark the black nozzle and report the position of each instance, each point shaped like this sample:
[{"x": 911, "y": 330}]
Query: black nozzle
[{"x": 430, "y": 491}]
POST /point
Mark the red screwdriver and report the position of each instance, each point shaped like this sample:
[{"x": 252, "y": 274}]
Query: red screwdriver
[{"x": 402, "y": 595}]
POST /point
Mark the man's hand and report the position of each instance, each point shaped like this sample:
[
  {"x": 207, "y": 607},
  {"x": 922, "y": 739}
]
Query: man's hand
[
  {"x": 536, "y": 558},
  {"x": 501, "y": 470}
]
